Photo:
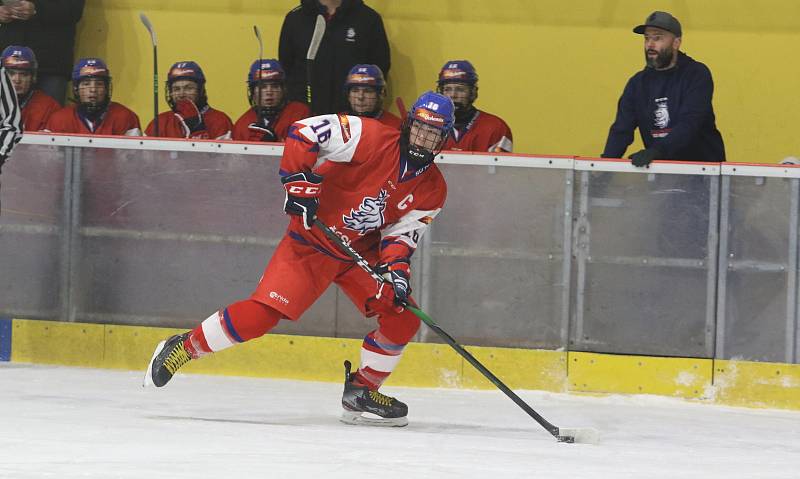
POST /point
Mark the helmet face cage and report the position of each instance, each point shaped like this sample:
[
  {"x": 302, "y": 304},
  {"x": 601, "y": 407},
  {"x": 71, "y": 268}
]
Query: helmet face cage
[
  {"x": 375, "y": 111},
  {"x": 254, "y": 98},
  {"x": 459, "y": 72},
  {"x": 187, "y": 70},
  {"x": 461, "y": 105},
  {"x": 91, "y": 69},
  {"x": 202, "y": 99},
  {"x": 366, "y": 76},
  {"x": 267, "y": 71},
  {"x": 427, "y": 127},
  {"x": 92, "y": 108}
]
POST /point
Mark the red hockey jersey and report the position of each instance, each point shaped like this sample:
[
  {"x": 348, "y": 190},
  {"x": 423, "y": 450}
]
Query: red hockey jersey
[
  {"x": 117, "y": 120},
  {"x": 390, "y": 119},
  {"x": 485, "y": 132},
  {"x": 371, "y": 195},
  {"x": 218, "y": 126},
  {"x": 292, "y": 112},
  {"x": 37, "y": 110}
]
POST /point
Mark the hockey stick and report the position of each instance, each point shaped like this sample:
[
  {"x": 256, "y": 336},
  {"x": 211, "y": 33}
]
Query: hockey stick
[
  {"x": 570, "y": 435},
  {"x": 258, "y": 82},
  {"x": 316, "y": 39},
  {"x": 149, "y": 26}
]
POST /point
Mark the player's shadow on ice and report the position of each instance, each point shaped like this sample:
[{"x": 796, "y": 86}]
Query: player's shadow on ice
[{"x": 415, "y": 426}]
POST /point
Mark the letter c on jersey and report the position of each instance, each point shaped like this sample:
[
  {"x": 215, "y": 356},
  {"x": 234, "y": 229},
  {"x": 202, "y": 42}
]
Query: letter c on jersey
[{"x": 405, "y": 202}]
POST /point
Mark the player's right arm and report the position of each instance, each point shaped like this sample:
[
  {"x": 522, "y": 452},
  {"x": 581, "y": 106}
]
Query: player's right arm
[
  {"x": 310, "y": 142},
  {"x": 320, "y": 138}
]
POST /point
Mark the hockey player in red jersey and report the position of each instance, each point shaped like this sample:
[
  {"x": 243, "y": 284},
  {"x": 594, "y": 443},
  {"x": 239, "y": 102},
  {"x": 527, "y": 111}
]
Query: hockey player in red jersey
[
  {"x": 93, "y": 111},
  {"x": 190, "y": 116},
  {"x": 270, "y": 116},
  {"x": 475, "y": 130},
  {"x": 365, "y": 89},
  {"x": 37, "y": 106},
  {"x": 378, "y": 189}
]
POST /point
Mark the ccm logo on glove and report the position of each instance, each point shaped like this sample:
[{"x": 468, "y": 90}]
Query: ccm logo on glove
[{"x": 306, "y": 190}]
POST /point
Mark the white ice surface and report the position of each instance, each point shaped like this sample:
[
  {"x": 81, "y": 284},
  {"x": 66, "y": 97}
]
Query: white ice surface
[{"x": 71, "y": 422}]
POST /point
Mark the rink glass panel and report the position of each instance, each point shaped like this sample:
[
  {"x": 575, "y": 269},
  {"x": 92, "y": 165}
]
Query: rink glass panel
[
  {"x": 495, "y": 256},
  {"x": 33, "y": 259},
  {"x": 644, "y": 255},
  {"x": 758, "y": 269},
  {"x": 538, "y": 257}
]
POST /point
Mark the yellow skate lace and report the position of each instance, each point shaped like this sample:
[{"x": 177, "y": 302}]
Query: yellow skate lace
[
  {"x": 381, "y": 399},
  {"x": 177, "y": 358}
]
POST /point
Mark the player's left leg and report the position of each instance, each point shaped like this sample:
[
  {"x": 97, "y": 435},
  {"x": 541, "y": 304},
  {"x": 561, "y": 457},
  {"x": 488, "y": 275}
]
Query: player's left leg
[
  {"x": 380, "y": 353},
  {"x": 295, "y": 277}
]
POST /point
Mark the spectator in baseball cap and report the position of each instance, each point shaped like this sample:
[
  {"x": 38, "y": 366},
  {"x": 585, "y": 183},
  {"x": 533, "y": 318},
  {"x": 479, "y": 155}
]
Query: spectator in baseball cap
[{"x": 669, "y": 101}]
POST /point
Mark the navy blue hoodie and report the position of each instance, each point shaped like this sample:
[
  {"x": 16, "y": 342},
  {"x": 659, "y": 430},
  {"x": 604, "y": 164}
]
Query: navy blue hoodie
[{"x": 672, "y": 109}]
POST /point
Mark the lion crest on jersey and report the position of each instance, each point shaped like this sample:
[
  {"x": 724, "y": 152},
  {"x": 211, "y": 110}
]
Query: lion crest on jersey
[{"x": 369, "y": 216}]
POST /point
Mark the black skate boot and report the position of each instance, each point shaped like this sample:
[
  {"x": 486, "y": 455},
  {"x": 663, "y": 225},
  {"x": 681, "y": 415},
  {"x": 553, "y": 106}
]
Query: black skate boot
[
  {"x": 168, "y": 357},
  {"x": 370, "y": 408}
]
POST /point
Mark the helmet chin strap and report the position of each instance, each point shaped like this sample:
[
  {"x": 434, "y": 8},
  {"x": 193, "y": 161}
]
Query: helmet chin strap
[
  {"x": 416, "y": 155},
  {"x": 93, "y": 111}
]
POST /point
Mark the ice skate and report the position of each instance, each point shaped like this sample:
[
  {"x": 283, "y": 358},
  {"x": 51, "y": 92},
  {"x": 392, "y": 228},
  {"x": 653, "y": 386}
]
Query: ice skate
[
  {"x": 369, "y": 408},
  {"x": 168, "y": 357}
]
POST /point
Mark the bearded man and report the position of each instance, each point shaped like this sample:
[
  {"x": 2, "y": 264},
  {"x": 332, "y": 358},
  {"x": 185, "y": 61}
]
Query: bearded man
[{"x": 669, "y": 101}]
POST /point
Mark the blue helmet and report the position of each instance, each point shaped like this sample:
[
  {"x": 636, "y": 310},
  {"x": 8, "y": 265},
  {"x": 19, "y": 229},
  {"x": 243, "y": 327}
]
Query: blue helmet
[
  {"x": 433, "y": 109},
  {"x": 458, "y": 71},
  {"x": 86, "y": 68},
  {"x": 263, "y": 71},
  {"x": 187, "y": 70},
  {"x": 89, "y": 68},
  {"x": 365, "y": 75},
  {"x": 267, "y": 69},
  {"x": 16, "y": 57}
]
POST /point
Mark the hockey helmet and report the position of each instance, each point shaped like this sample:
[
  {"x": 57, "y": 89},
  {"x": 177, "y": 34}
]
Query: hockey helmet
[{"x": 16, "y": 57}]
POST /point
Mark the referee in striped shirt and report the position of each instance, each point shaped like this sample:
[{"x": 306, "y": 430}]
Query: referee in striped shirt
[{"x": 10, "y": 118}]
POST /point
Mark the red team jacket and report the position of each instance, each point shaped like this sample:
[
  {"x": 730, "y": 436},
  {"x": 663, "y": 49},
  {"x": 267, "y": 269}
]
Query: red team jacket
[
  {"x": 371, "y": 196},
  {"x": 37, "y": 110},
  {"x": 218, "y": 126},
  {"x": 486, "y": 132},
  {"x": 390, "y": 119},
  {"x": 118, "y": 120},
  {"x": 293, "y": 111}
]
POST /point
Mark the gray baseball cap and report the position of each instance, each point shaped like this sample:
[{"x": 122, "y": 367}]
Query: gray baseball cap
[{"x": 662, "y": 20}]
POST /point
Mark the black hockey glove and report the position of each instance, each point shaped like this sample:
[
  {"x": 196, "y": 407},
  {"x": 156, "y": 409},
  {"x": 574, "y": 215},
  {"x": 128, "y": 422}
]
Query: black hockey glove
[
  {"x": 392, "y": 295},
  {"x": 645, "y": 157},
  {"x": 189, "y": 116},
  {"x": 302, "y": 195},
  {"x": 259, "y": 132}
]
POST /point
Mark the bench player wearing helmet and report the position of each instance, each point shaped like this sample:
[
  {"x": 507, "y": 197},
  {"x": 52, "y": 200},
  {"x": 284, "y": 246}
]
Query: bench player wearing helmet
[
  {"x": 93, "y": 112},
  {"x": 190, "y": 116},
  {"x": 37, "y": 106},
  {"x": 378, "y": 189},
  {"x": 365, "y": 90},
  {"x": 270, "y": 115},
  {"x": 475, "y": 130}
]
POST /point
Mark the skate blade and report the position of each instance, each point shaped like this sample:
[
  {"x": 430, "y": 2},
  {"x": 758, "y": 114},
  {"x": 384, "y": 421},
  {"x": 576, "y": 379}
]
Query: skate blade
[
  {"x": 356, "y": 418},
  {"x": 148, "y": 376}
]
